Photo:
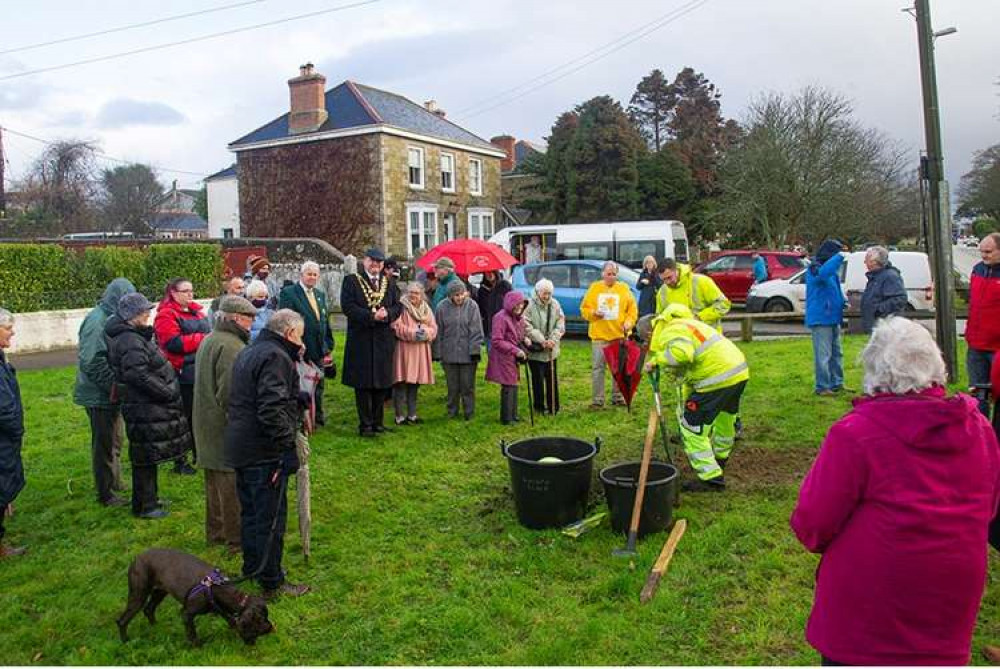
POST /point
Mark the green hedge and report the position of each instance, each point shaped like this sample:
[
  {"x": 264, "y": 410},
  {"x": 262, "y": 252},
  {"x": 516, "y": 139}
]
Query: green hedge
[{"x": 41, "y": 277}]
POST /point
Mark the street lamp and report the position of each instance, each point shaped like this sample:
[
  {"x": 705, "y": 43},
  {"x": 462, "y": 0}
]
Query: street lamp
[{"x": 950, "y": 30}]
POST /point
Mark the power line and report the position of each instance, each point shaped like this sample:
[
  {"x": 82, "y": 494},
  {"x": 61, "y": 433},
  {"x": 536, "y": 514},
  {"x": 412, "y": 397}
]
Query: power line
[
  {"x": 642, "y": 32},
  {"x": 132, "y": 26},
  {"x": 191, "y": 40},
  {"x": 105, "y": 156}
]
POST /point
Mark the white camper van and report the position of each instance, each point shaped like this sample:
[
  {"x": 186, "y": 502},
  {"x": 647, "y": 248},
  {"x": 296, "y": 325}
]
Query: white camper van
[{"x": 626, "y": 242}]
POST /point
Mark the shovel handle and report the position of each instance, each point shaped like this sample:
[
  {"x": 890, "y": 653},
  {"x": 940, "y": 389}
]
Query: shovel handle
[{"x": 647, "y": 452}]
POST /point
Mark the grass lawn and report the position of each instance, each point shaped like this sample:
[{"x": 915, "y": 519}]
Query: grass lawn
[{"x": 418, "y": 557}]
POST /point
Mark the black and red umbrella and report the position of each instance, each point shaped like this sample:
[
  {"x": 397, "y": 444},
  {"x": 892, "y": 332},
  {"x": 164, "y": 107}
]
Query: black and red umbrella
[{"x": 623, "y": 357}]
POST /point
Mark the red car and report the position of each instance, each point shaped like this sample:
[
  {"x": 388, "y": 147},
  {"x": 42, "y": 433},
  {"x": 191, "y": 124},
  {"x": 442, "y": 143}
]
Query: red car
[{"x": 732, "y": 271}]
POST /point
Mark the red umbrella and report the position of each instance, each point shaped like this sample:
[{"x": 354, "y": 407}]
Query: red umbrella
[
  {"x": 622, "y": 357},
  {"x": 471, "y": 256}
]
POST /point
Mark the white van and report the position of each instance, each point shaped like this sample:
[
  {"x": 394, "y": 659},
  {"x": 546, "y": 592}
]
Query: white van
[
  {"x": 626, "y": 242},
  {"x": 790, "y": 294}
]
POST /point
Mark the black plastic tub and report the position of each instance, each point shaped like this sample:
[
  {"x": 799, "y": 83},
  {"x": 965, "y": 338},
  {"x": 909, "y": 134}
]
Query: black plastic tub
[
  {"x": 620, "y": 483},
  {"x": 550, "y": 494}
]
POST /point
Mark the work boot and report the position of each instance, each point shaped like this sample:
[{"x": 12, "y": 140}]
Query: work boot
[
  {"x": 718, "y": 484},
  {"x": 722, "y": 463},
  {"x": 114, "y": 500},
  {"x": 11, "y": 551},
  {"x": 287, "y": 589}
]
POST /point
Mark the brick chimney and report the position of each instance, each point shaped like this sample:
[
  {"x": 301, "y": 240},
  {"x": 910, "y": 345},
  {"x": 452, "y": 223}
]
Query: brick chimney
[
  {"x": 308, "y": 109},
  {"x": 506, "y": 144},
  {"x": 432, "y": 107}
]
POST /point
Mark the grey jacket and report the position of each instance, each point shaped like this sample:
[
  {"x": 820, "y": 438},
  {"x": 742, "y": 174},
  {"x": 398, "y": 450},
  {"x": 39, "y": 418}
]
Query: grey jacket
[
  {"x": 542, "y": 322},
  {"x": 460, "y": 332}
]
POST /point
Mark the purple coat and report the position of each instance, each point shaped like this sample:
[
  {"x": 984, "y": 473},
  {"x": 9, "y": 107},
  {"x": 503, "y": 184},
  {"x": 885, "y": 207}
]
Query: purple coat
[
  {"x": 898, "y": 502},
  {"x": 505, "y": 341}
]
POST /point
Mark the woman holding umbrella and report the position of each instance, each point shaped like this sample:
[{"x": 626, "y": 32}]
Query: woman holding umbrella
[{"x": 545, "y": 325}]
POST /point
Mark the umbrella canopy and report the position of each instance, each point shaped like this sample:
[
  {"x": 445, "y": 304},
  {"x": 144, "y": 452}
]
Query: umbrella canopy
[
  {"x": 471, "y": 256},
  {"x": 622, "y": 357}
]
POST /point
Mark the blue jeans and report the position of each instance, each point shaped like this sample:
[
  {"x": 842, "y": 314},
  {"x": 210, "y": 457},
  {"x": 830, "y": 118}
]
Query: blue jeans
[
  {"x": 827, "y": 357},
  {"x": 260, "y": 500},
  {"x": 978, "y": 364}
]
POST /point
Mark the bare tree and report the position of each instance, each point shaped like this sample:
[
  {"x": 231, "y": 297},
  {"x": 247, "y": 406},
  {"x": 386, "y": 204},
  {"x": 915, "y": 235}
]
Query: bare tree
[
  {"x": 59, "y": 190},
  {"x": 130, "y": 195}
]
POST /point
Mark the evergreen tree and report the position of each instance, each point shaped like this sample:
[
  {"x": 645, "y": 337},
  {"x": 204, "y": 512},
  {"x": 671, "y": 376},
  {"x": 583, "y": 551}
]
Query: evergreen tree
[
  {"x": 697, "y": 127},
  {"x": 556, "y": 164},
  {"x": 665, "y": 184},
  {"x": 651, "y": 108}
]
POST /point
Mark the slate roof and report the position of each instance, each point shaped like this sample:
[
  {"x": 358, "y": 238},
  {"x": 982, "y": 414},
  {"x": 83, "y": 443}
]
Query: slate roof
[
  {"x": 222, "y": 174},
  {"x": 351, "y": 105},
  {"x": 178, "y": 221}
]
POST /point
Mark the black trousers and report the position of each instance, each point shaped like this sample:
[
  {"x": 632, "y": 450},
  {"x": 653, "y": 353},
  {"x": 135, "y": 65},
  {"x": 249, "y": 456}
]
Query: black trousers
[
  {"x": 320, "y": 414},
  {"x": 3, "y": 530},
  {"x": 260, "y": 499},
  {"x": 145, "y": 489},
  {"x": 508, "y": 404},
  {"x": 544, "y": 385},
  {"x": 105, "y": 450},
  {"x": 371, "y": 406},
  {"x": 187, "y": 398}
]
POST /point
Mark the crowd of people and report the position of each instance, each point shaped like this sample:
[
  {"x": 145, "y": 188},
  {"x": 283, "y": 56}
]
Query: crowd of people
[{"x": 898, "y": 502}]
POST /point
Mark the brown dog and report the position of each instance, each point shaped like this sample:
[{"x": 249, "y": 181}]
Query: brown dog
[{"x": 198, "y": 587}]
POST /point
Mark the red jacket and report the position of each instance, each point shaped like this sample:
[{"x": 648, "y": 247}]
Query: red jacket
[
  {"x": 179, "y": 333},
  {"x": 898, "y": 503},
  {"x": 982, "y": 331}
]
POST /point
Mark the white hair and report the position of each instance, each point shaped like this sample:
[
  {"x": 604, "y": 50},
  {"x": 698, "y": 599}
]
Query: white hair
[
  {"x": 901, "y": 357},
  {"x": 6, "y": 318},
  {"x": 544, "y": 286},
  {"x": 256, "y": 287},
  {"x": 879, "y": 255},
  {"x": 284, "y": 320},
  {"x": 309, "y": 264},
  {"x": 415, "y": 287},
  {"x": 610, "y": 264}
]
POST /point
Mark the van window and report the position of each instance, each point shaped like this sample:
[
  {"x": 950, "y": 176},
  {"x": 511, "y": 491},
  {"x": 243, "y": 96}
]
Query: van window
[
  {"x": 585, "y": 251},
  {"x": 520, "y": 249},
  {"x": 631, "y": 253},
  {"x": 680, "y": 250}
]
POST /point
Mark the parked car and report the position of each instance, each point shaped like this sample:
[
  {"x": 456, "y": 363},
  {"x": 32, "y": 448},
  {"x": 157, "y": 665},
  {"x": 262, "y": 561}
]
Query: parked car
[
  {"x": 732, "y": 271},
  {"x": 783, "y": 295},
  {"x": 571, "y": 279}
]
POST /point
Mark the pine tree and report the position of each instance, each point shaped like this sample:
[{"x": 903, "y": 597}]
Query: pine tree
[
  {"x": 665, "y": 184},
  {"x": 556, "y": 164},
  {"x": 697, "y": 127},
  {"x": 651, "y": 108}
]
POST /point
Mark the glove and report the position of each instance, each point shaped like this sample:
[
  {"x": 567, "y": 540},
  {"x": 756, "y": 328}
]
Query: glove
[
  {"x": 421, "y": 335},
  {"x": 330, "y": 371},
  {"x": 305, "y": 399},
  {"x": 289, "y": 462},
  {"x": 474, "y": 357}
]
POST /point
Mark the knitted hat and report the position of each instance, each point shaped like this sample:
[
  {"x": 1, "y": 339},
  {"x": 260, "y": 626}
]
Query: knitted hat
[
  {"x": 455, "y": 287},
  {"x": 133, "y": 304},
  {"x": 445, "y": 263},
  {"x": 258, "y": 263},
  {"x": 234, "y": 304}
]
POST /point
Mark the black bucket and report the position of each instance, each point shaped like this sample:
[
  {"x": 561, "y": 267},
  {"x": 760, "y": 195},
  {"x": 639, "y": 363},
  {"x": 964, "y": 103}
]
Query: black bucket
[
  {"x": 550, "y": 494},
  {"x": 621, "y": 482}
]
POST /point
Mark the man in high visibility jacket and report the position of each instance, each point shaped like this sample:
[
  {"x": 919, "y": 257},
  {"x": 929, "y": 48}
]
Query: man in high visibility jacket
[
  {"x": 697, "y": 292},
  {"x": 711, "y": 374}
]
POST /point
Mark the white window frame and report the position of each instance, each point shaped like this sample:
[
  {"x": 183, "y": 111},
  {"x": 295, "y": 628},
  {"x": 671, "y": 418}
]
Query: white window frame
[
  {"x": 475, "y": 176},
  {"x": 426, "y": 231},
  {"x": 450, "y": 156},
  {"x": 410, "y": 150},
  {"x": 479, "y": 215},
  {"x": 447, "y": 233}
]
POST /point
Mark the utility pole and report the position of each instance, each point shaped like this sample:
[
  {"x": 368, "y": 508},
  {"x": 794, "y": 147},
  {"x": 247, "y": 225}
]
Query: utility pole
[
  {"x": 3, "y": 196},
  {"x": 939, "y": 237}
]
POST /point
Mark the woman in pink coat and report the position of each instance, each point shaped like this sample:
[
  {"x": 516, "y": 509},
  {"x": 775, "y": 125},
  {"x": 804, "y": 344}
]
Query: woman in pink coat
[
  {"x": 898, "y": 503},
  {"x": 415, "y": 330},
  {"x": 506, "y": 339}
]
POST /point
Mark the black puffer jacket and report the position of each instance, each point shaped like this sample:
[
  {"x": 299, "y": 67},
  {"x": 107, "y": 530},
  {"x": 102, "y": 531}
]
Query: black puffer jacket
[
  {"x": 149, "y": 393},
  {"x": 263, "y": 413}
]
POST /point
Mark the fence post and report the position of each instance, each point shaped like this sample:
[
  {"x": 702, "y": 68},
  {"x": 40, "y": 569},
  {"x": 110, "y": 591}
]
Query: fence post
[{"x": 746, "y": 329}]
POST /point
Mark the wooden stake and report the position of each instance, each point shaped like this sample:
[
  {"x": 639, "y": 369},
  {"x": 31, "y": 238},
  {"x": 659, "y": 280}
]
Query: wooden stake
[{"x": 660, "y": 567}]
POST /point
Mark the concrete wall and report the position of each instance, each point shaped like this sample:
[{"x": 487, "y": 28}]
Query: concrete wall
[{"x": 223, "y": 206}]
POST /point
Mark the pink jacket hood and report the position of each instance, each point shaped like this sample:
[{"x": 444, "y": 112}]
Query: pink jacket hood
[{"x": 926, "y": 421}]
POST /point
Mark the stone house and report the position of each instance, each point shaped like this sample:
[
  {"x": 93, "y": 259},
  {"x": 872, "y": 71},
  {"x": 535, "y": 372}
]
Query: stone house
[{"x": 355, "y": 165}]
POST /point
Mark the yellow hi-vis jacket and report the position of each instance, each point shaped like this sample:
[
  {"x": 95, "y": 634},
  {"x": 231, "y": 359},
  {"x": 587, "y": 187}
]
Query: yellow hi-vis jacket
[
  {"x": 697, "y": 355},
  {"x": 698, "y": 293}
]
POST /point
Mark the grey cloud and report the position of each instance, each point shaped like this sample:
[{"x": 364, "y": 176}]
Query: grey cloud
[{"x": 122, "y": 112}]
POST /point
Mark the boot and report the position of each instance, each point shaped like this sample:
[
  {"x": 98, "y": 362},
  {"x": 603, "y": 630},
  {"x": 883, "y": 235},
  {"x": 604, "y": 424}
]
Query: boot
[
  {"x": 718, "y": 484},
  {"x": 11, "y": 551},
  {"x": 287, "y": 589},
  {"x": 722, "y": 463}
]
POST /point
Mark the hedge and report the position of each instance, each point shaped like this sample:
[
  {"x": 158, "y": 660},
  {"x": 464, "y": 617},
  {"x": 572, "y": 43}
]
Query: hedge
[{"x": 41, "y": 277}]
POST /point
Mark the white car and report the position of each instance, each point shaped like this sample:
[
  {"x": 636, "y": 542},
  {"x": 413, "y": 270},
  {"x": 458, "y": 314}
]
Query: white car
[{"x": 789, "y": 295}]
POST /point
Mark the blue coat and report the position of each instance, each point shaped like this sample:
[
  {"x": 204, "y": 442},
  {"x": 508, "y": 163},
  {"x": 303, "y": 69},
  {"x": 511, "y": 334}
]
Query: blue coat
[
  {"x": 759, "y": 270},
  {"x": 884, "y": 296},
  {"x": 824, "y": 298},
  {"x": 11, "y": 434}
]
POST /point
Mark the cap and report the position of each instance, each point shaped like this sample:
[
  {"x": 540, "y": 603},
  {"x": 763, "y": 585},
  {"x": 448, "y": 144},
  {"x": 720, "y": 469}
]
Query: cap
[
  {"x": 375, "y": 253},
  {"x": 445, "y": 263},
  {"x": 133, "y": 304},
  {"x": 234, "y": 304}
]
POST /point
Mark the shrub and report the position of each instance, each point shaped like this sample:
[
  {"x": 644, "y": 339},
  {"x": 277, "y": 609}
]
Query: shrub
[
  {"x": 200, "y": 263},
  {"x": 99, "y": 265},
  {"x": 36, "y": 277}
]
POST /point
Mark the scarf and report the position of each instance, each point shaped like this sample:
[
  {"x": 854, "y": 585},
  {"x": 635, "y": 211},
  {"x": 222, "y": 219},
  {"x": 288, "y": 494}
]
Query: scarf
[{"x": 420, "y": 314}]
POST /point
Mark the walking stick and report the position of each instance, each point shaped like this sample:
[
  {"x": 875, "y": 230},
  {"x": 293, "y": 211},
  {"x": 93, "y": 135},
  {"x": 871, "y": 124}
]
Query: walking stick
[
  {"x": 552, "y": 381},
  {"x": 531, "y": 400}
]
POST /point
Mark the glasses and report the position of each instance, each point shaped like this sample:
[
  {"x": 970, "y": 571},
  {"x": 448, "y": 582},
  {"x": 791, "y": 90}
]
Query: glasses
[{"x": 186, "y": 290}]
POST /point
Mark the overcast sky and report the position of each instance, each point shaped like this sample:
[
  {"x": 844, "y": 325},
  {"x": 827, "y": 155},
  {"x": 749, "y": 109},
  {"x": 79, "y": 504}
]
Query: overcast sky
[{"x": 178, "y": 107}]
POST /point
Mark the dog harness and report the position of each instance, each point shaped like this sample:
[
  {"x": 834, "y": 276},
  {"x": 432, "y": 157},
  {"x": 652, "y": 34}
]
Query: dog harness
[{"x": 213, "y": 577}]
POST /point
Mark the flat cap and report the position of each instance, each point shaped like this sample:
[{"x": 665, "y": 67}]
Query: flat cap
[
  {"x": 445, "y": 263},
  {"x": 234, "y": 304},
  {"x": 375, "y": 253}
]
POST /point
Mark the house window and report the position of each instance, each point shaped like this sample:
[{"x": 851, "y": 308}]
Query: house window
[
  {"x": 416, "y": 163},
  {"x": 422, "y": 227},
  {"x": 448, "y": 226},
  {"x": 227, "y": 233},
  {"x": 480, "y": 224},
  {"x": 448, "y": 172},
  {"x": 475, "y": 176}
]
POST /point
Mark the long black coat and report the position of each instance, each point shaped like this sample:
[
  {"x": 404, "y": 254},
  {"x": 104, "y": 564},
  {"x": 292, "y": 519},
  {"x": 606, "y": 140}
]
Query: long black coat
[
  {"x": 150, "y": 395},
  {"x": 318, "y": 336},
  {"x": 370, "y": 344},
  {"x": 490, "y": 301},
  {"x": 11, "y": 434}
]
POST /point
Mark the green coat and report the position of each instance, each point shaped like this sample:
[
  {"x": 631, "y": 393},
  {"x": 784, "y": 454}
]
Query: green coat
[
  {"x": 213, "y": 371},
  {"x": 318, "y": 337},
  {"x": 94, "y": 376}
]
